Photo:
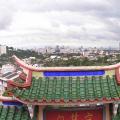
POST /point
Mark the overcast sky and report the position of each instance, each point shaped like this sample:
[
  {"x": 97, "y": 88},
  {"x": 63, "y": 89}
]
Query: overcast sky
[{"x": 30, "y": 23}]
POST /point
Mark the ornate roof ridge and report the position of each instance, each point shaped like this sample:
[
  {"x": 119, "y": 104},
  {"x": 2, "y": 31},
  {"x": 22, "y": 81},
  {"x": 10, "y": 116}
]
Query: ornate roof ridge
[{"x": 77, "y": 68}]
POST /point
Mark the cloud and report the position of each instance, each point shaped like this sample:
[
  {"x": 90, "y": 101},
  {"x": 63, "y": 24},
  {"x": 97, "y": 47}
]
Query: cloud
[
  {"x": 62, "y": 5},
  {"x": 65, "y": 22},
  {"x": 6, "y": 13}
]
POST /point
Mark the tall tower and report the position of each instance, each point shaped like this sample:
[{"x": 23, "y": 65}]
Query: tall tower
[
  {"x": 3, "y": 49},
  {"x": 119, "y": 46}
]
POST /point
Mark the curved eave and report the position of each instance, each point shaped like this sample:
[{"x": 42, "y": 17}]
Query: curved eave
[
  {"x": 41, "y": 69},
  {"x": 77, "y": 102}
]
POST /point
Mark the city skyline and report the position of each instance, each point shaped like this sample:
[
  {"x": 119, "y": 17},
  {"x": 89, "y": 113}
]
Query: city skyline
[{"x": 34, "y": 23}]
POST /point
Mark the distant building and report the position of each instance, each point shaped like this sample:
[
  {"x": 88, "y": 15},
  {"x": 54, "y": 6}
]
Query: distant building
[
  {"x": 7, "y": 68},
  {"x": 57, "y": 49},
  {"x": 3, "y": 49},
  {"x": 5, "y": 77},
  {"x": 119, "y": 46}
]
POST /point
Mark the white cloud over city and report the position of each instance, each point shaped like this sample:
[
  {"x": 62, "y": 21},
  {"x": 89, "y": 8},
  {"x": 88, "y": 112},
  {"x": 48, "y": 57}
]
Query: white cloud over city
[{"x": 30, "y": 23}]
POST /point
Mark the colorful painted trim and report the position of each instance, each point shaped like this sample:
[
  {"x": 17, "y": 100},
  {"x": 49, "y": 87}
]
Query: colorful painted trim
[
  {"x": 17, "y": 103},
  {"x": 74, "y": 73}
]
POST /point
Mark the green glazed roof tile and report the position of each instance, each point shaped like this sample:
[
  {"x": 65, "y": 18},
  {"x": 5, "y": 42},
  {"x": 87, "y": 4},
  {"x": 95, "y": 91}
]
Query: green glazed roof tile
[
  {"x": 70, "y": 88},
  {"x": 14, "y": 113}
]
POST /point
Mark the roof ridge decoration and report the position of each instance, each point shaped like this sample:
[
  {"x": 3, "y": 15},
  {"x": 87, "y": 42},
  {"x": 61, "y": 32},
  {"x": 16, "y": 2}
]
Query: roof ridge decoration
[
  {"x": 117, "y": 75},
  {"x": 41, "y": 69}
]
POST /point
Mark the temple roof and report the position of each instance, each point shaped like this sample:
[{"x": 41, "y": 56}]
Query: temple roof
[
  {"x": 14, "y": 113},
  {"x": 50, "y": 90},
  {"x": 66, "y": 85}
]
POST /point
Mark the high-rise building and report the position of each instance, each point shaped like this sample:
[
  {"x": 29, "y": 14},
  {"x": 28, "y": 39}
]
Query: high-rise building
[
  {"x": 3, "y": 49},
  {"x": 119, "y": 46},
  {"x": 57, "y": 49}
]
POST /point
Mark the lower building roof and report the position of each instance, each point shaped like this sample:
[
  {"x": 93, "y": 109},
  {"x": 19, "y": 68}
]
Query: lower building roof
[
  {"x": 70, "y": 89},
  {"x": 14, "y": 113}
]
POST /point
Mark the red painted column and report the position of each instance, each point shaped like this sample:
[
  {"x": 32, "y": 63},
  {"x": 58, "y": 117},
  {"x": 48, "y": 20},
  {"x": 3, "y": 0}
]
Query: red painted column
[
  {"x": 40, "y": 112},
  {"x": 108, "y": 117}
]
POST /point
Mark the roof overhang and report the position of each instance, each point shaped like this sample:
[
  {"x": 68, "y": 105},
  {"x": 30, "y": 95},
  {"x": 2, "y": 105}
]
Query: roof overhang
[{"x": 103, "y": 101}]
